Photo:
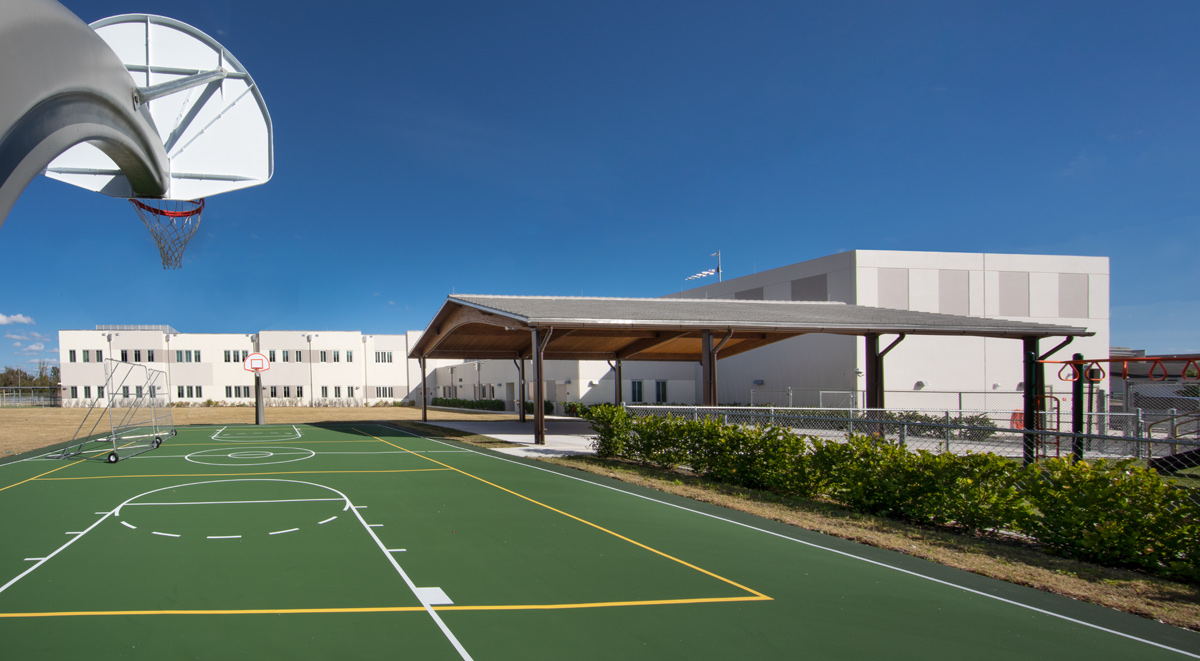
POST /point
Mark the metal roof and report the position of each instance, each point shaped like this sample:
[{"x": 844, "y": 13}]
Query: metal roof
[{"x": 592, "y": 328}]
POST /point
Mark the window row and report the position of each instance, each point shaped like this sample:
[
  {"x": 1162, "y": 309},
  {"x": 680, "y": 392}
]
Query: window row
[
  {"x": 195, "y": 392},
  {"x": 337, "y": 392},
  {"x": 636, "y": 395},
  {"x": 126, "y": 391},
  {"x": 288, "y": 355},
  {"x": 384, "y": 391},
  {"x": 383, "y": 356}
]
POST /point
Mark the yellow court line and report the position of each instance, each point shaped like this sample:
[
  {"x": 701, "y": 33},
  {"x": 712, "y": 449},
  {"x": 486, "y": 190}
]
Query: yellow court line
[
  {"x": 583, "y": 521},
  {"x": 46, "y": 473},
  {"x": 117, "y": 477},
  {"x": 392, "y": 609}
]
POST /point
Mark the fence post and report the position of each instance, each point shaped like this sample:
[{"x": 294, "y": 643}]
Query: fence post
[
  {"x": 850, "y": 422},
  {"x": 946, "y": 431},
  {"x": 1171, "y": 429},
  {"x": 1103, "y": 422},
  {"x": 1137, "y": 432},
  {"x": 903, "y": 434},
  {"x": 772, "y": 415}
]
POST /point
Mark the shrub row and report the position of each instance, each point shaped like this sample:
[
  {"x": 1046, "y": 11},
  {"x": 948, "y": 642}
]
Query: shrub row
[
  {"x": 1112, "y": 513},
  {"x": 481, "y": 404}
]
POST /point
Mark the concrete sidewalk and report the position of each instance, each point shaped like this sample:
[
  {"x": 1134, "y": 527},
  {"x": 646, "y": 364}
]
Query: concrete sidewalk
[{"x": 564, "y": 436}]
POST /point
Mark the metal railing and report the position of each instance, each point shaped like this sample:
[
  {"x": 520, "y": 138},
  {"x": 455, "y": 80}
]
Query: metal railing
[{"x": 1116, "y": 436}]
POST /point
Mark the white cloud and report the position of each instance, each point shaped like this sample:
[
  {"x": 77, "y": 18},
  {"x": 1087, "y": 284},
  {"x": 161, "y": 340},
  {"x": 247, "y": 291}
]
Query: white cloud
[
  {"x": 36, "y": 346},
  {"x": 16, "y": 344},
  {"x": 53, "y": 349},
  {"x": 48, "y": 361},
  {"x": 15, "y": 319},
  {"x": 14, "y": 336},
  {"x": 38, "y": 336},
  {"x": 391, "y": 302}
]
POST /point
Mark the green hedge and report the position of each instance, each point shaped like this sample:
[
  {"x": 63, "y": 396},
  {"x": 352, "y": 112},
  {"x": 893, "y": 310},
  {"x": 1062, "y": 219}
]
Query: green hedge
[
  {"x": 1116, "y": 514},
  {"x": 481, "y": 404},
  {"x": 547, "y": 407}
]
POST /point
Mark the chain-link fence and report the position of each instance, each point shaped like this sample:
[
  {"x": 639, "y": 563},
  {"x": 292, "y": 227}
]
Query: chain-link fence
[
  {"x": 1169, "y": 444},
  {"x": 30, "y": 396}
]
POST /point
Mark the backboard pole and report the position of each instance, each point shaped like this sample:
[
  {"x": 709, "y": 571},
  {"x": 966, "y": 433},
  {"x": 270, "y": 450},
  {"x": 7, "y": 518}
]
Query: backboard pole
[{"x": 260, "y": 417}]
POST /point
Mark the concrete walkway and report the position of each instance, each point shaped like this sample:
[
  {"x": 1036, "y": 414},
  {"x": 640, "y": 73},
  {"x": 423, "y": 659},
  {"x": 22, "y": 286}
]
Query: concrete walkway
[{"x": 564, "y": 436}]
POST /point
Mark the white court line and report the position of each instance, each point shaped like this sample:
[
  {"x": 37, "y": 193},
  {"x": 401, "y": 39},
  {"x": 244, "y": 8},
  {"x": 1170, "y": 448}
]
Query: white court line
[
  {"x": 824, "y": 548},
  {"x": 397, "y": 550},
  {"x": 280, "y": 532},
  {"x": 242, "y": 502},
  {"x": 224, "y": 537},
  {"x": 165, "y": 534},
  {"x": 360, "y": 507},
  {"x": 326, "y": 520},
  {"x": 415, "y": 590},
  {"x": 76, "y": 533},
  {"x": 33, "y": 559},
  {"x": 129, "y": 525},
  {"x": 375, "y": 525}
]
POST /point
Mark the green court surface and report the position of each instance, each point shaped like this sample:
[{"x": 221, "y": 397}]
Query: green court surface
[{"x": 362, "y": 541}]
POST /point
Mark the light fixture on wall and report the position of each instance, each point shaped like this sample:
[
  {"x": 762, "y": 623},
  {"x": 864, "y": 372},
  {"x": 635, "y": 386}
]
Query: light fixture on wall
[
  {"x": 920, "y": 385},
  {"x": 758, "y": 382},
  {"x": 997, "y": 386}
]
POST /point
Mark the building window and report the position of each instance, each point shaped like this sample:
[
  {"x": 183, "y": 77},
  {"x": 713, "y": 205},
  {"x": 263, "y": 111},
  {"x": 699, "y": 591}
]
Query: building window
[
  {"x": 139, "y": 392},
  {"x": 273, "y": 395},
  {"x": 237, "y": 391},
  {"x": 199, "y": 393},
  {"x": 153, "y": 392},
  {"x": 285, "y": 355},
  {"x": 180, "y": 391},
  {"x": 74, "y": 392},
  {"x": 336, "y": 356},
  {"x": 377, "y": 357},
  {"x": 87, "y": 392},
  {"x": 178, "y": 357},
  {"x": 227, "y": 356},
  {"x": 322, "y": 356},
  {"x": 287, "y": 391},
  {"x": 187, "y": 355},
  {"x": 228, "y": 389},
  {"x": 271, "y": 355},
  {"x": 125, "y": 392},
  {"x": 99, "y": 357},
  {"x": 85, "y": 355},
  {"x": 337, "y": 392},
  {"x": 124, "y": 356},
  {"x": 660, "y": 392},
  {"x": 71, "y": 356},
  {"x": 349, "y": 391},
  {"x": 150, "y": 355},
  {"x": 635, "y": 391},
  {"x": 378, "y": 391},
  {"x": 137, "y": 355},
  {"x": 324, "y": 391},
  {"x": 389, "y": 356},
  {"x": 349, "y": 356},
  {"x": 100, "y": 391},
  {"x": 299, "y": 389},
  {"x": 190, "y": 391}
]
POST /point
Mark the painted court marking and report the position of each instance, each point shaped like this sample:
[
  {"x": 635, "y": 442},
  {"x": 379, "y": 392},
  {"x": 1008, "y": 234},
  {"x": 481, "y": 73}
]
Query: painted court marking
[
  {"x": 423, "y": 597},
  {"x": 846, "y": 554},
  {"x": 256, "y": 435},
  {"x": 260, "y": 456}
]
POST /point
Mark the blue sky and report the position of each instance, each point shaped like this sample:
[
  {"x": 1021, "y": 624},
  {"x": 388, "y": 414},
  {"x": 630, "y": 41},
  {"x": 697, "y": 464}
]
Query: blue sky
[{"x": 606, "y": 148}]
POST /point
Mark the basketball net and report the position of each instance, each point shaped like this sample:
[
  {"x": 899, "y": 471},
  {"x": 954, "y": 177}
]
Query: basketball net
[{"x": 172, "y": 222}]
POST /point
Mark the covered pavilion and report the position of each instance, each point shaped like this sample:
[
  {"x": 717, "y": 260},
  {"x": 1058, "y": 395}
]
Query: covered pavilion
[{"x": 540, "y": 328}]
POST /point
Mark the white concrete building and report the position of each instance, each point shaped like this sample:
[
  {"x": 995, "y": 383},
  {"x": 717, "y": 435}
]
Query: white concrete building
[
  {"x": 1052, "y": 289},
  {"x": 308, "y": 368}
]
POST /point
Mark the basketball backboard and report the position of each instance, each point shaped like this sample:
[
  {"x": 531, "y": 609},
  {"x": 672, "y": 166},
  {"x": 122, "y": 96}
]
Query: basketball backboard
[
  {"x": 256, "y": 362},
  {"x": 208, "y": 112}
]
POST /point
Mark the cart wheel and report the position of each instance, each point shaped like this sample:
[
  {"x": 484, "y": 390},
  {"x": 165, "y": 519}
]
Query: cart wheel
[
  {"x": 157, "y": 442},
  {"x": 113, "y": 458}
]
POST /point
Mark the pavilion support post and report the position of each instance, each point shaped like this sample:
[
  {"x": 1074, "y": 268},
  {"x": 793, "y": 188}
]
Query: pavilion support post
[
  {"x": 617, "y": 395},
  {"x": 1077, "y": 413},
  {"x": 874, "y": 373},
  {"x": 540, "y": 341},
  {"x": 520, "y": 363},
  {"x": 706, "y": 369},
  {"x": 424, "y": 391},
  {"x": 1031, "y": 395}
]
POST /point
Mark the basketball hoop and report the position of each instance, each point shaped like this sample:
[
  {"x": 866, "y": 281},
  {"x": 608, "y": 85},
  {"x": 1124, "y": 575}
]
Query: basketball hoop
[
  {"x": 172, "y": 222},
  {"x": 257, "y": 363}
]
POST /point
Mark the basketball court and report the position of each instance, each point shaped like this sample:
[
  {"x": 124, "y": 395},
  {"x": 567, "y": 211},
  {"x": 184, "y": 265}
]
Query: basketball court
[{"x": 361, "y": 540}]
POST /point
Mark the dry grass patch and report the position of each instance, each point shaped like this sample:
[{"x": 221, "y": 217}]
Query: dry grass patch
[
  {"x": 26, "y": 429},
  {"x": 1014, "y": 561}
]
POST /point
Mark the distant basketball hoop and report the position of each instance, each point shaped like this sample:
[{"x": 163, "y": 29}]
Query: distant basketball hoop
[
  {"x": 172, "y": 222},
  {"x": 257, "y": 363}
]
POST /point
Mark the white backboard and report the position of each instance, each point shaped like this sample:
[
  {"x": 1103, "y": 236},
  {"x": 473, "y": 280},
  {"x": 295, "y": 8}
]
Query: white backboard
[{"x": 217, "y": 135}]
